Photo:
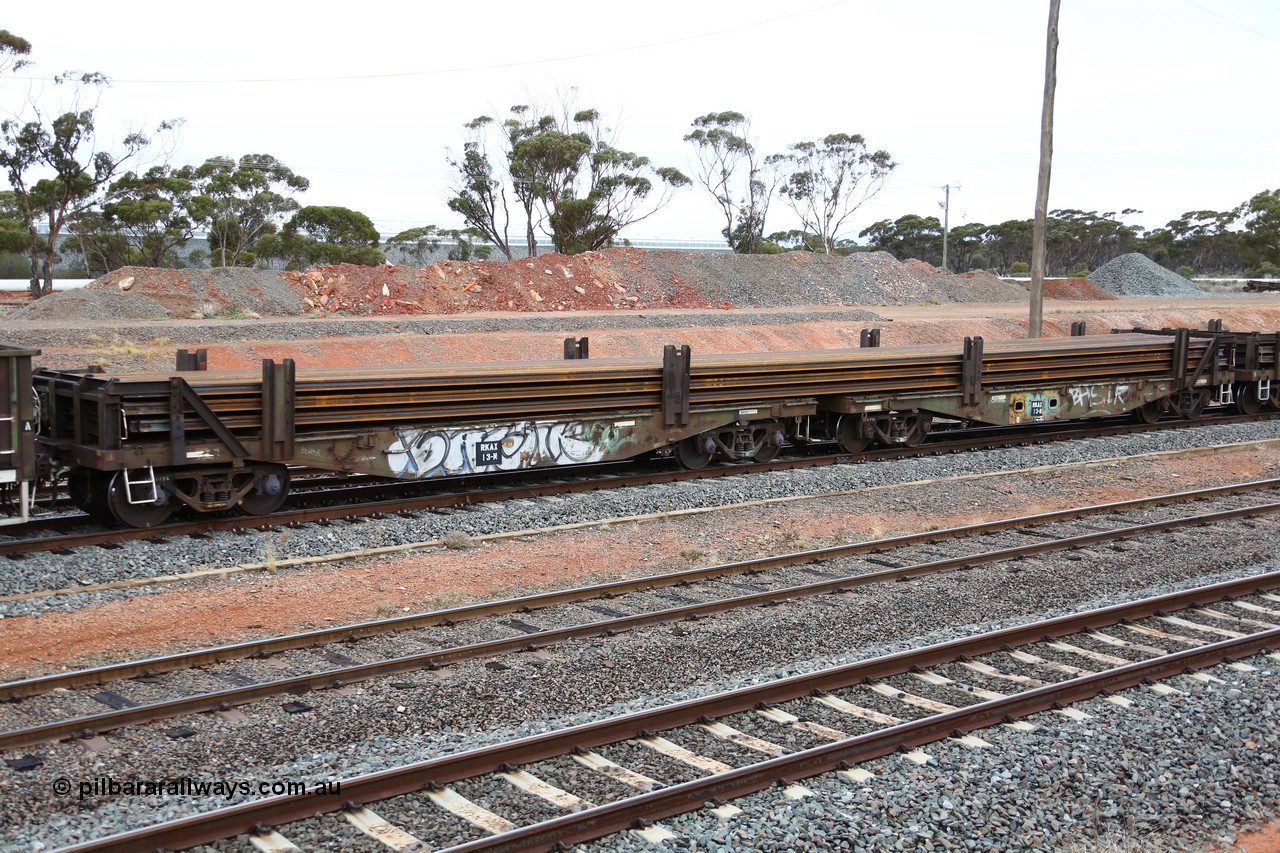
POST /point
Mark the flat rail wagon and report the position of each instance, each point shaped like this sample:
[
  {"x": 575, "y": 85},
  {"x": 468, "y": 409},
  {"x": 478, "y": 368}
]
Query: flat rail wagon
[{"x": 135, "y": 446}]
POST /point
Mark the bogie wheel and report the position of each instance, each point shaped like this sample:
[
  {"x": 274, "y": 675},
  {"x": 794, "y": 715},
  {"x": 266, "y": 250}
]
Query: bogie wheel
[
  {"x": 1190, "y": 404},
  {"x": 270, "y": 488},
  {"x": 1274, "y": 399},
  {"x": 1247, "y": 402},
  {"x": 142, "y": 515},
  {"x": 695, "y": 452},
  {"x": 851, "y": 435},
  {"x": 919, "y": 428},
  {"x": 1150, "y": 412},
  {"x": 768, "y": 444},
  {"x": 88, "y": 490}
]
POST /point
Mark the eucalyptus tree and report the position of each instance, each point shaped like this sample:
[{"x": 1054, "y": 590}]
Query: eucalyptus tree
[
  {"x": 238, "y": 202},
  {"x": 326, "y": 235},
  {"x": 58, "y": 171},
  {"x": 1260, "y": 240},
  {"x": 741, "y": 182},
  {"x": 573, "y": 184},
  {"x": 143, "y": 224},
  {"x": 825, "y": 182},
  {"x": 13, "y": 49}
]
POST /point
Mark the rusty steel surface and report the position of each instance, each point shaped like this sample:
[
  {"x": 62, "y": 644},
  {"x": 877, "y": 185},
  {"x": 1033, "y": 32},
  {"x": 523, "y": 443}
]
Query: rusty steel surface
[
  {"x": 236, "y": 696},
  {"x": 327, "y": 396},
  {"x": 602, "y": 820}
]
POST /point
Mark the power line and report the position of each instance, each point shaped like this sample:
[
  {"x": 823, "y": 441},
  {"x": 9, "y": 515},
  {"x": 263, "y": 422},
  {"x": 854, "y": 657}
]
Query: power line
[
  {"x": 496, "y": 66},
  {"x": 1230, "y": 21}
]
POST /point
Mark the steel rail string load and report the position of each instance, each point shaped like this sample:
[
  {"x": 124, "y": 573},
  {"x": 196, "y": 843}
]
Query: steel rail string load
[{"x": 133, "y": 447}]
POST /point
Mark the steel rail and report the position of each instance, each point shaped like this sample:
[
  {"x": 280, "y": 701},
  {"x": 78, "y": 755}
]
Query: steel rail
[
  {"x": 360, "y": 630},
  {"x": 223, "y": 699},
  {"x": 607, "y": 819},
  {"x": 437, "y": 772},
  {"x": 16, "y": 548}
]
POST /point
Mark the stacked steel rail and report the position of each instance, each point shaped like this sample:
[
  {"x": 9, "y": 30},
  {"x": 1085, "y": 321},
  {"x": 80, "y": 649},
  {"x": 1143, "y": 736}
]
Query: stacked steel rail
[{"x": 347, "y": 396}]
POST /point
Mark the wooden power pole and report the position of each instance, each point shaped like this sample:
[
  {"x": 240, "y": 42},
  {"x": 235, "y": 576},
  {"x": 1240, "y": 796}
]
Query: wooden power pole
[
  {"x": 1042, "y": 184},
  {"x": 946, "y": 224}
]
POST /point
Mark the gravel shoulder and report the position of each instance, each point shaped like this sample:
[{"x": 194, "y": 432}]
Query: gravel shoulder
[{"x": 97, "y": 627}]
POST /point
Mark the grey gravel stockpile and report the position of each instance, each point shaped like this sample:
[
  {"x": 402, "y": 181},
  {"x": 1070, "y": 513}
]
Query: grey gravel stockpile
[
  {"x": 102, "y": 306},
  {"x": 805, "y": 278},
  {"x": 1135, "y": 274},
  {"x": 171, "y": 294}
]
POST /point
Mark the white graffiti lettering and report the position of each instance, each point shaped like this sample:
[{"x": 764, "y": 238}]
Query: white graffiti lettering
[
  {"x": 419, "y": 453},
  {"x": 1101, "y": 396}
]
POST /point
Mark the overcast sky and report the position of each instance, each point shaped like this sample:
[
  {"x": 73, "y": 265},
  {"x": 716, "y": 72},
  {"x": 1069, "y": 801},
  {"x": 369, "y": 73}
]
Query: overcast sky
[{"x": 1162, "y": 105}]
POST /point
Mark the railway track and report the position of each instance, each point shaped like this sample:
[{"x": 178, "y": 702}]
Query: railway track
[
  {"x": 625, "y": 604},
  {"x": 271, "y": 563},
  {"x": 371, "y": 500},
  {"x": 624, "y": 773}
]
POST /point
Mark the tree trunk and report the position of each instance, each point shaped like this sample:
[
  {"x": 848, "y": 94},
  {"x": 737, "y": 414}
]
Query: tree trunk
[
  {"x": 34, "y": 253},
  {"x": 1042, "y": 184},
  {"x": 50, "y": 250}
]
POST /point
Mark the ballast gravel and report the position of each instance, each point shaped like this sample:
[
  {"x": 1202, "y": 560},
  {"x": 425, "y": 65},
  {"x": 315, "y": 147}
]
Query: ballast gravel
[
  {"x": 1168, "y": 766},
  {"x": 1194, "y": 766},
  {"x": 1135, "y": 274},
  {"x": 46, "y": 571}
]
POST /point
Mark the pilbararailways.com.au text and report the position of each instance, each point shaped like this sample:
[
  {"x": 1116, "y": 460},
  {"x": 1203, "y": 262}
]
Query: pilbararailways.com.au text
[{"x": 187, "y": 786}]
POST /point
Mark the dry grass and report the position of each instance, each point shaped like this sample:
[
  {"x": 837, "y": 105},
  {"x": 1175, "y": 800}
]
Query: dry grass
[
  {"x": 104, "y": 353},
  {"x": 458, "y": 540},
  {"x": 793, "y": 537},
  {"x": 1116, "y": 842}
]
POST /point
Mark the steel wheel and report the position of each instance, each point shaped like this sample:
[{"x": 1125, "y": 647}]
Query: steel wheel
[
  {"x": 88, "y": 490},
  {"x": 1247, "y": 402},
  {"x": 270, "y": 488},
  {"x": 1149, "y": 413},
  {"x": 850, "y": 434},
  {"x": 694, "y": 453},
  {"x": 135, "y": 515},
  {"x": 920, "y": 425}
]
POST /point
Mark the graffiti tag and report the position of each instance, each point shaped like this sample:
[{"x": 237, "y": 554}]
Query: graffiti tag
[
  {"x": 1100, "y": 396},
  {"x": 422, "y": 452}
]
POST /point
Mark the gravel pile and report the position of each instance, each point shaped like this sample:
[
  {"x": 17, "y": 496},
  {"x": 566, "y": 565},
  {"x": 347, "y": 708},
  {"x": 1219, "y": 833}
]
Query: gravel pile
[
  {"x": 614, "y": 279},
  {"x": 1135, "y": 274},
  {"x": 804, "y": 278},
  {"x": 149, "y": 293},
  {"x": 99, "y": 306}
]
